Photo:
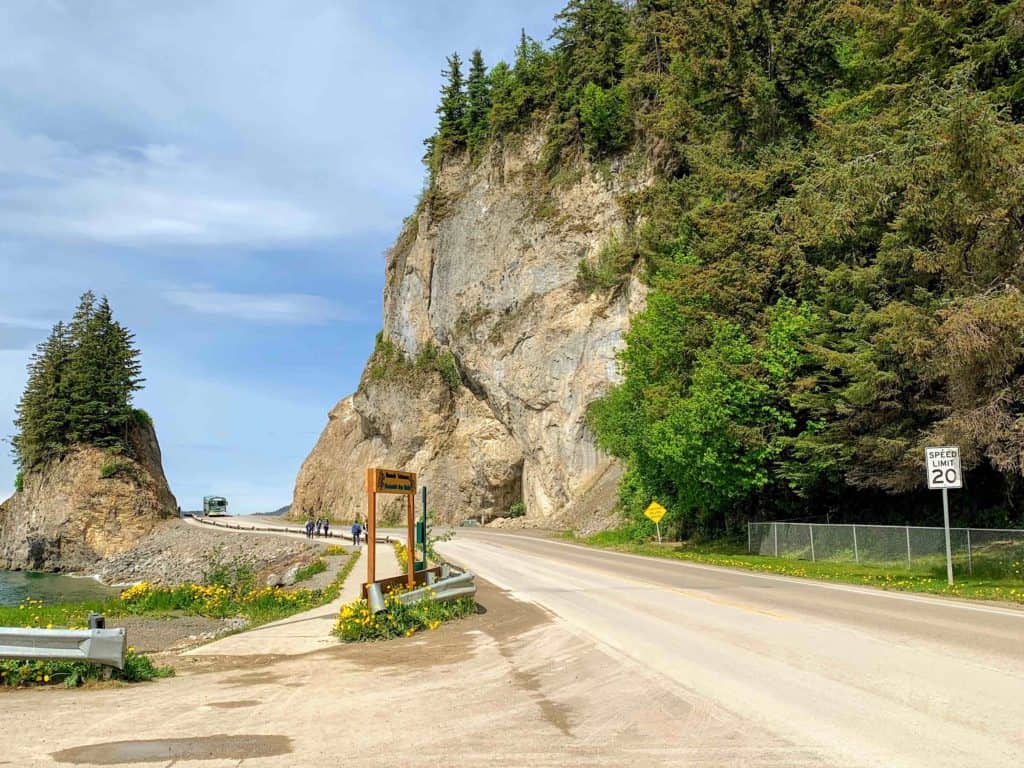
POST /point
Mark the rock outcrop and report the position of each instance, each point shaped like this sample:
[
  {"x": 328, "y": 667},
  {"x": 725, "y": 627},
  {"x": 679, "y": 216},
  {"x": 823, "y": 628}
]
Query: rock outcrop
[
  {"x": 86, "y": 506},
  {"x": 491, "y": 351}
]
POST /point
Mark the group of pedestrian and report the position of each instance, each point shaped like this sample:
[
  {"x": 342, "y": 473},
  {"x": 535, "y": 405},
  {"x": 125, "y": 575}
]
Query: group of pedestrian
[{"x": 321, "y": 526}]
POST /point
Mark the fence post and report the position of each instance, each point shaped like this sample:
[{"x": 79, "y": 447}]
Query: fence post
[
  {"x": 970, "y": 561},
  {"x": 750, "y": 539},
  {"x": 908, "y": 547},
  {"x": 810, "y": 528},
  {"x": 775, "y": 532},
  {"x": 856, "y": 552}
]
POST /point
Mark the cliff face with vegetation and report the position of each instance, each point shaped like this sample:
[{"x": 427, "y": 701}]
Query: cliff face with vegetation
[
  {"x": 85, "y": 505},
  {"x": 828, "y": 230},
  {"x": 493, "y": 347}
]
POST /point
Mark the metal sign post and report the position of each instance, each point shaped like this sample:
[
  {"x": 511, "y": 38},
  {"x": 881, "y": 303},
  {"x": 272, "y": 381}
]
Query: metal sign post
[{"x": 942, "y": 464}]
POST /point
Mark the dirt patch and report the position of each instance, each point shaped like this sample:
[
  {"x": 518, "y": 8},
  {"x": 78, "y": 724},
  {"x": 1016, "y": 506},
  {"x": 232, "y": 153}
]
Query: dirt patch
[
  {"x": 155, "y": 634},
  {"x": 235, "y": 704},
  {"x": 219, "y": 747}
]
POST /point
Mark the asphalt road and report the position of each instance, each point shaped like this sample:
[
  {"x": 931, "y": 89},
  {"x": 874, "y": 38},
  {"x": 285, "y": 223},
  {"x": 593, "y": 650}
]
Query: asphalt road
[{"x": 853, "y": 675}]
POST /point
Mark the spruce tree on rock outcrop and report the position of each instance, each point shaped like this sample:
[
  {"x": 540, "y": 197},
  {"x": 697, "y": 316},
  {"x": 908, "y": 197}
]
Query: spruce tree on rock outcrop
[
  {"x": 451, "y": 130},
  {"x": 80, "y": 387},
  {"x": 42, "y": 414},
  {"x": 478, "y": 103}
]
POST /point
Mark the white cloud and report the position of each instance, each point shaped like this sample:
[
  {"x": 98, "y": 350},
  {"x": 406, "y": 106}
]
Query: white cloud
[
  {"x": 288, "y": 308},
  {"x": 154, "y": 194}
]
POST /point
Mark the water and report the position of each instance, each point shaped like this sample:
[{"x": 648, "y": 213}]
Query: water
[{"x": 51, "y": 588}]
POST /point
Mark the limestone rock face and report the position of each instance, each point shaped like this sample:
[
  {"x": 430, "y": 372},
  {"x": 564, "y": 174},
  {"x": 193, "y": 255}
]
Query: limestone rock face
[
  {"x": 486, "y": 274},
  {"x": 68, "y": 517}
]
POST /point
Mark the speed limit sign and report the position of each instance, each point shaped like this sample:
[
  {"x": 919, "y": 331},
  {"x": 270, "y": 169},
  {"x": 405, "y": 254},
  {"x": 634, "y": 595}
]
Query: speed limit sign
[{"x": 943, "y": 466}]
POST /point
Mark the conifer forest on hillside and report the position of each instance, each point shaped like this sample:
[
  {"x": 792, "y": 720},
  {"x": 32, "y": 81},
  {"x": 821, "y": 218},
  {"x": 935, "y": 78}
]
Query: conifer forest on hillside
[{"x": 832, "y": 235}]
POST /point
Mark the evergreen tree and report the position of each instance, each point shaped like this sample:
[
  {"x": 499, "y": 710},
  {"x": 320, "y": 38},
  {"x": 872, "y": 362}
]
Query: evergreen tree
[
  {"x": 478, "y": 103},
  {"x": 42, "y": 414},
  {"x": 80, "y": 386},
  {"x": 103, "y": 374},
  {"x": 591, "y": 36},
  {"x": 451, "y": 130}
]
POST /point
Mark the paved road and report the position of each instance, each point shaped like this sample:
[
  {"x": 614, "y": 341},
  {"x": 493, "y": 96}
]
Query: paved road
[{"x": 857, "y": 676}]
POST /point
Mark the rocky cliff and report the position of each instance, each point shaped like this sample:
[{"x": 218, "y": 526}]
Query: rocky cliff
[
  {"x": 491, "y": 350},
  {"x": 84, "y": 507}
]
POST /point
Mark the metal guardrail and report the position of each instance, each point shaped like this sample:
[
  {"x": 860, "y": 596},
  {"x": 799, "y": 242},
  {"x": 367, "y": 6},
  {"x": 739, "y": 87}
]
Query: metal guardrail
[
  {"x": 282, "y": 529},
  {"x": 100, "y": 646},
  {"x": 446, "y": 589}
]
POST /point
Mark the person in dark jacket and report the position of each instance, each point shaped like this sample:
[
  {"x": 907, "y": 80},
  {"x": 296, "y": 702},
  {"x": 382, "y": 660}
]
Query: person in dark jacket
[
  {"x": 309, "y": 528},
  {"x": 327, "y": 527},
  {"x": 357, "y": 531}
]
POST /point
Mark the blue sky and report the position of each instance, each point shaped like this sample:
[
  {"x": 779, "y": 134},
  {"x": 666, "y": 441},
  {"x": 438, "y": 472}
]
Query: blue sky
[{"x": 229, "y": 174}]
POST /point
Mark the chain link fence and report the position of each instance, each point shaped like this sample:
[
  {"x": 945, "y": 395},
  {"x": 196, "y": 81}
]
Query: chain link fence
[{"x": 989, "y": 552}]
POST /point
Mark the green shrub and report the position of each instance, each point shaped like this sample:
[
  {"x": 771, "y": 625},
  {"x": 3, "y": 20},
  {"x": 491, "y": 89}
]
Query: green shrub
[
  {"x": 236, "y": 574},
  {"x": 118, "y": 468},
  {"x": 605, "y": 119},
  {"x": 138, "y": 668},
  {"x": 142, "y": 418},
  {"x": 19, "y": 482},
  {"x": 518, "y": 509},
  {"x": 309, "y": 571},
  {"x": 609, "y": 268}
]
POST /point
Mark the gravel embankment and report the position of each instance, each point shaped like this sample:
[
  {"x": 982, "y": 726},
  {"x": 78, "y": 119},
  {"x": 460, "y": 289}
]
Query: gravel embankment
[{"x": 178, "y": 552}]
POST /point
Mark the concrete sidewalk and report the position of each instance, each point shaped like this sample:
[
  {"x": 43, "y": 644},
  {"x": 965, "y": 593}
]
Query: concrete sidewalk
[{"x": 303, "y": 632}]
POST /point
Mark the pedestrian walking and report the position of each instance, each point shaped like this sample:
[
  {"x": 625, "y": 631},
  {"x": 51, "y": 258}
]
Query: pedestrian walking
[
  {"x": 327, "y": 527},
  {"x": 309, "y": 528},
  {"x": 318, "y": 524},
  {"x": 357, "y": 529}
]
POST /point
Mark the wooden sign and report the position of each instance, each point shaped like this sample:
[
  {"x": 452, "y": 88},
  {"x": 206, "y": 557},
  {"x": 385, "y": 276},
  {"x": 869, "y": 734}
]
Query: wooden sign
[{"x": 394, "y": 481}]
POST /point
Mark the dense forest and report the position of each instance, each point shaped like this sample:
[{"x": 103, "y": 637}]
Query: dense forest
[
  {"x": 833, "y": 243},
  {"x": 81, "y": 380}
]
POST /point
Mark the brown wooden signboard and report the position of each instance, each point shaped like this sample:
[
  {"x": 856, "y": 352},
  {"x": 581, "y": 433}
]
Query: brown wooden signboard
[
  {"x": 389, "y": 481},
  {"x": 394, "y": 481}
]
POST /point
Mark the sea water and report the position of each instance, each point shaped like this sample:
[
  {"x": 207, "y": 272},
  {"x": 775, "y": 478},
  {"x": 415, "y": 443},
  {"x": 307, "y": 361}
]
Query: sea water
[{"x": 51, "y": 588}]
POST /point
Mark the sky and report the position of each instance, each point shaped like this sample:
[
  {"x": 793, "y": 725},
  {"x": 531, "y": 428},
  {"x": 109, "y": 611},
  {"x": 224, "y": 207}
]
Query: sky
[{"x": 230, "y": 175}]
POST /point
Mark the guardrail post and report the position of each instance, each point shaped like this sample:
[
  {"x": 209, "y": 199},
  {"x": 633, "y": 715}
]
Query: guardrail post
[
  {"x": 856, "y": 552},
  {"x": 909, "y": 561}
]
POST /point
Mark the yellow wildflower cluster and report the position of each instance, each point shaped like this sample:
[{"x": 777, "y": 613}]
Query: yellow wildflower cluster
[{"x": 136, "y": 591}]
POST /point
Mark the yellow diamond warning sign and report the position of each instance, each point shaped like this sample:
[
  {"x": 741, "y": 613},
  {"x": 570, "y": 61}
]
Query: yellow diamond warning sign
[{"x": 655, "y": 512}]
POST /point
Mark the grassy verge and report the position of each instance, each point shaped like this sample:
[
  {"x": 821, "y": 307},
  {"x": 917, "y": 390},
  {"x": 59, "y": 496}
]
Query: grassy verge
[
  {"x": 731, "y": 554},
  {"x": 356, "y": 623},
  {"x": 258, "y": 606}
]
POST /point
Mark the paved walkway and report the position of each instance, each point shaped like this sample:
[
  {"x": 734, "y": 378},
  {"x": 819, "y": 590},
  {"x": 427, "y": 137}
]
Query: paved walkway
[{"x": 303, "y": 632}]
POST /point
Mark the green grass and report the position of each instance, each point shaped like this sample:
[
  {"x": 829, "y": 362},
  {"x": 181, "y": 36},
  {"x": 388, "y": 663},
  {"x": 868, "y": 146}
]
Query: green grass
[
  {"x": 32, "y": 613},
  {"x": 732, "y": 554},
  {"x": 307, "y": 572}
]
